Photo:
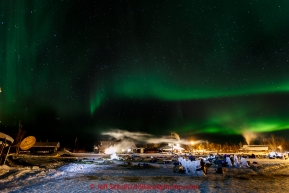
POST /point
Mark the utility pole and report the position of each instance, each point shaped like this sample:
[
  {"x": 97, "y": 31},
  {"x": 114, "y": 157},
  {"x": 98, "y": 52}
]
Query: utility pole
[
  {"x": 75, "y": 143},
  {"x": 172, "y": 144}
]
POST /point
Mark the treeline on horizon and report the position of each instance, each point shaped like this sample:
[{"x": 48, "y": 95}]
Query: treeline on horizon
[{"x": 274, "y": 143}]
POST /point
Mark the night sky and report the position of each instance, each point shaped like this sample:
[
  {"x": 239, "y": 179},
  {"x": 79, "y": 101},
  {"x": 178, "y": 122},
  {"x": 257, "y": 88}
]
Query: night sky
[{"x": 202, "y": 69}]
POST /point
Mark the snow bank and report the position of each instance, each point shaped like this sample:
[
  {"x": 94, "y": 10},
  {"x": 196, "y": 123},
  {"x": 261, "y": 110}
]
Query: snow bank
[
  {"x": 117, "y": 177},
  {"x": 4, "y": 169}
]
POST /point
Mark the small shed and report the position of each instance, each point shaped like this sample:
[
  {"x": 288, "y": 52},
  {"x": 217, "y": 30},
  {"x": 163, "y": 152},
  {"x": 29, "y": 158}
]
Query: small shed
[
  {"x": 45, "y": 147},
  {"x": 172, "y": 148},
  {"x": 255, "y": 148},
  {"x": 126, "y": 147},
  {"x": 105, "y": 145}
]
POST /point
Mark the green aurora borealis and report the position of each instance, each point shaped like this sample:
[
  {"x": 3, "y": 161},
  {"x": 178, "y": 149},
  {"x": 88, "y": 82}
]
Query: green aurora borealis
[{"x": 193, "y": 67}]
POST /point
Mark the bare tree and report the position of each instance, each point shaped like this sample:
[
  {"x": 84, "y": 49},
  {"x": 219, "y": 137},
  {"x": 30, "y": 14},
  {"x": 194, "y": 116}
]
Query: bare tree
[
  {"x": 240, "y": 145},
  {"x": 286, "y": 146},
  {"x": 275, "y": 143},
  {"x": 19, "y": 137},
  {"x": 264, "y": 141},
  {"x": 226, "y": 147},
  {"x": 234, "y": 148},
  {"x": 212, "y": 147}
]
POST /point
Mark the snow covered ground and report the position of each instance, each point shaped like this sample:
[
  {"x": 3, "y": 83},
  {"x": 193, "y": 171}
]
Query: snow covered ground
[{"x": 52, "y": 175}]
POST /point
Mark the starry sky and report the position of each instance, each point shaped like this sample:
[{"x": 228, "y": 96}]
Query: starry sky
[{"x": 203, "y": 69}]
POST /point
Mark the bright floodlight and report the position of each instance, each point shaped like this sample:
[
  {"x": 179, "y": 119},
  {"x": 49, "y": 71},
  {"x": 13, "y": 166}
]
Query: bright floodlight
[{"x": 110, "y": 150}]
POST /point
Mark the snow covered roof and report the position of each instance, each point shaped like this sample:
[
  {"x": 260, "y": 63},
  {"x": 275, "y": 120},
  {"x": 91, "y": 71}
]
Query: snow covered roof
[
  {"x": 168, "y": 148},
  {"x": 7, "y": 137},
  {"x": 255, "y": 147},
  {"x": 47, "y": 144}
]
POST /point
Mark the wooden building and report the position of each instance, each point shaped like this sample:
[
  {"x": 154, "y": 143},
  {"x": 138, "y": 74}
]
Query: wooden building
[
  {"x": 254, "y": 148},
  {"x": 45, "y": 147}
]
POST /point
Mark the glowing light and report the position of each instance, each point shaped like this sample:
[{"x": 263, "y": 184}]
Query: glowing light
[{"x": 110, "y": 150}]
